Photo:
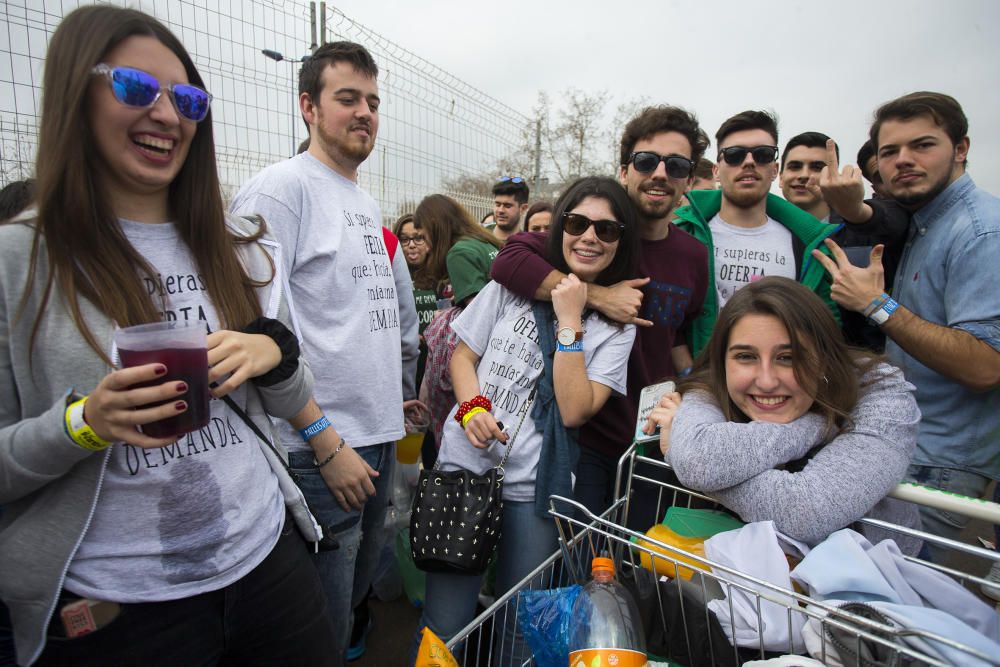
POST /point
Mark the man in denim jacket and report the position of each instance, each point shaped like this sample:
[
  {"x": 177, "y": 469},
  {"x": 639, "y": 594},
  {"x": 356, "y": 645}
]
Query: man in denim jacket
[{"x": 943, "y": 319}]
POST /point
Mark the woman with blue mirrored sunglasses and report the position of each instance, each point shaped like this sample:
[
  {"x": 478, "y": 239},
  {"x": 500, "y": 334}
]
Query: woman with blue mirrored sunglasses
[
  {"x": 135, "y": 88},
  {"x": 156, "y": 537}
]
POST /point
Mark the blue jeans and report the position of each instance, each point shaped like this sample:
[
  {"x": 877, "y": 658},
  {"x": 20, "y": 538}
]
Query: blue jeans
[
  {"x": 347, "y": 572},
  {"x": 526, "y": 540},
  {"x": 938, "y": 522}
]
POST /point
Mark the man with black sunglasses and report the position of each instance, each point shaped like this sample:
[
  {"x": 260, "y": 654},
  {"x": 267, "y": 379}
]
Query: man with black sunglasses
[
  {"x": 748, "y": 231},
  {"x": 658, "y": 151}
]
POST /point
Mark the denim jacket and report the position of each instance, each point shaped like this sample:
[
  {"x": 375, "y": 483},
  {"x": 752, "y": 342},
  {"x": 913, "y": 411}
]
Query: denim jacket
[{"x": 946, "y": 277}]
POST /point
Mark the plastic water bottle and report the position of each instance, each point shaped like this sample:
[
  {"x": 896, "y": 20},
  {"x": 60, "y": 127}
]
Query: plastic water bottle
[{"x": 605, "y": 630}]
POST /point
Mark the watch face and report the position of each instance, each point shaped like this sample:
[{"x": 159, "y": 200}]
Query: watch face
[{"x": 566, "y": 336}]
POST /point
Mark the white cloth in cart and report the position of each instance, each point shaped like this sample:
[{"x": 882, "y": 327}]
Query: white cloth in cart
[
  {"x": 785, "y": 661},
  {"x": 847, "y": 567},
  {"x": 755, "y": 550}
]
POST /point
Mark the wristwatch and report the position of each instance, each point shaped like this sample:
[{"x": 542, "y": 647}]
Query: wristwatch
[{"x": 568, "y": 335}]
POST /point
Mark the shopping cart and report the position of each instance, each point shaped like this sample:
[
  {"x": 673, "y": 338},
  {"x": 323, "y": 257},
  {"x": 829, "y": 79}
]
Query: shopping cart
[{"x": 667, "y": 607}]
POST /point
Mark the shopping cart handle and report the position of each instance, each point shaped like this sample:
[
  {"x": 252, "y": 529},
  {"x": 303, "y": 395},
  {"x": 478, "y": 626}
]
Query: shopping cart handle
[{"x": 973, "y": 508}]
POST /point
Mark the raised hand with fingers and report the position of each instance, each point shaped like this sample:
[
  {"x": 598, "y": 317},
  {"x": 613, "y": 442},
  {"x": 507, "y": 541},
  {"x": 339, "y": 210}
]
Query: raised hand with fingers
[
  {"x": 569, "y": 298},
  {"x": 853, "y": 288},
  {"x": 843, "y": 189},
  {"x": 241, "y": 356},
  {"x": 114, "y": 409}
]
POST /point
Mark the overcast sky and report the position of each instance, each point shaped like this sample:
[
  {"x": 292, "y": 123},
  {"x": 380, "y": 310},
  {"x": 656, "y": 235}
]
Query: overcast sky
[{"x": 821, "y": 66}]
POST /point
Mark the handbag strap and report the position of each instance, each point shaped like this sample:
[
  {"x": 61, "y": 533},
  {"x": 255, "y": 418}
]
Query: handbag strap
[
  {"x": 256, "y": 429},
  {"x": 510, "y": 443}
]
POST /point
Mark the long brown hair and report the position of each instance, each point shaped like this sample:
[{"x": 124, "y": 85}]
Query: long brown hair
[
  {"x": 823, "y": 364},
  {"x": 89, "y": 255},
  {"x": 446, "y": 222}
]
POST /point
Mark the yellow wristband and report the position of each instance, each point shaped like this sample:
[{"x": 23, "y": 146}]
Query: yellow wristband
[
  {"x": 468, "y": 415},
  {"x": 80, "y": 431}
]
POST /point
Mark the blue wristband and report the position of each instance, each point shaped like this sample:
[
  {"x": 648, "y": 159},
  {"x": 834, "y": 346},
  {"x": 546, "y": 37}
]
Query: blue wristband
[
  {"x": 318, "y": 426},
  {"x": 577, "y": 346}
]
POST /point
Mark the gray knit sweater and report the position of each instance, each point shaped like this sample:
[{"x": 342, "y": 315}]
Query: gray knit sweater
[{"x": 846, "y": 480}]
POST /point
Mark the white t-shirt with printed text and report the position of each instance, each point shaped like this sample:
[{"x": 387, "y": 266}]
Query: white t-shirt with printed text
[
  {"x": 343, "y": 295},
  {"x": 746, "y": 254},
  {"x": 500, "y": 327},
  {"x": 177, "y": 521}
]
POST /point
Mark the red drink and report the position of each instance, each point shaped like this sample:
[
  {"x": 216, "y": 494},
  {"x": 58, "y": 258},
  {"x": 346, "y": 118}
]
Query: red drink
[{"x": 188, "y": 365}]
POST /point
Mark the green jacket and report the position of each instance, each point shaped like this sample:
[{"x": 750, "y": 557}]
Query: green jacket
[{"x": 807, "y": 233}]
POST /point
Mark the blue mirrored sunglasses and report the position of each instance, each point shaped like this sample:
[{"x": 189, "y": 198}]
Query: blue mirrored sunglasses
[
  {"x": 135, "y": 88},
  {"x": 510, "y": 179}
]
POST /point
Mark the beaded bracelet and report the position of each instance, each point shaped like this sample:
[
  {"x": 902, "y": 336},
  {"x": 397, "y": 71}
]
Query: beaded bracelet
[
  {"x": 477, "y": 402},
  {"x": 331, "y": 456},
  {"x": 468, "y": 415}
]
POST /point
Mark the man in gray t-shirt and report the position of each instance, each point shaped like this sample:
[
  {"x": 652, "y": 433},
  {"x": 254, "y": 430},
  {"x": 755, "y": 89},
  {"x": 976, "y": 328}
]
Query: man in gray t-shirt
[{"x": 345, "y": 285}]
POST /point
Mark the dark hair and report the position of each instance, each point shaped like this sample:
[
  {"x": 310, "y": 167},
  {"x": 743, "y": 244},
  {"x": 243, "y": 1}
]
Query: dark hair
[
  {"x": 809, "y": 140},
  {"x": 663, "y": 118},
  {"x": 824, "y": 365},
  {"x": 89, "y": 256},
  {"x": 943, "y": 109},
  {"x": 705, "y": 169},
  {"x": 519, "y": 191},
  {"x": 446, "y": 222},
  {"x": 623, "y": 266},
  {"x": 331, "y": 53},
  {"x": 417, "y": 273},
  {"x": 747, "y": 120},
  {"x": 865, "y": 154},
  {"x": 537, "y": 207},
  {"x": 15, "y": 197}
]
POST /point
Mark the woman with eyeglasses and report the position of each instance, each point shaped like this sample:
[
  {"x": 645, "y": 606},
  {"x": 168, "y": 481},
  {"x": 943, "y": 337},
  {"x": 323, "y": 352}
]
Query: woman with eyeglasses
[
  {"x": 781, "y": 421},
  {"x": 542, "y": 370},
  {"x": 116, "y": 546}
]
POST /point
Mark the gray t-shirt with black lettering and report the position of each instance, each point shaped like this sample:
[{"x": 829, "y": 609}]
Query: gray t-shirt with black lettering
[
  {"x": 746, "y": 254},
  {"x": 344, "y": 296},
  {"x": 499, "y": 326},
  {"x": 192, "y": 526}
]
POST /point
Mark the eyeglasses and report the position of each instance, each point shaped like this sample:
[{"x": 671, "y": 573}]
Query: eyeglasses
[
  {"x": 735, "y": 155},
  {"x": 135, "y": 88},
  {"x": 516, "y": 180},
  {"x": 576, "y": 224},
  {"x": 415, "y": 240},
  {"x": 646, "y": 162}
]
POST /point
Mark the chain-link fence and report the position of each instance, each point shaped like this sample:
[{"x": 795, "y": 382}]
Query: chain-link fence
[{"x": 434, "y": 129}]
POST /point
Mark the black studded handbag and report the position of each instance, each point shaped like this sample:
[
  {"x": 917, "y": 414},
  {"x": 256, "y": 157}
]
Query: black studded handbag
[{"x": 456, "y": 516}]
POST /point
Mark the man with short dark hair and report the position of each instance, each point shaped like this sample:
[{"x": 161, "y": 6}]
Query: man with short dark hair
[
  {"x": 802, "y": 161},
  {"x": 704, "y": 175},
  {"x": 943, "y": 319},
  {"x": 510, "y": 202},
  {"x": 659, "y": 149},
  {"x": 868, "y": 164},
  {"x": 347, "y": 286},
  {"x": 750, "y": 233}
]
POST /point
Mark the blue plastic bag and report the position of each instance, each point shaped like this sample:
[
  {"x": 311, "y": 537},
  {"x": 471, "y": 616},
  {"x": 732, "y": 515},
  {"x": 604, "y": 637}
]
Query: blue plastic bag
[{"x": 544, "y": 619}]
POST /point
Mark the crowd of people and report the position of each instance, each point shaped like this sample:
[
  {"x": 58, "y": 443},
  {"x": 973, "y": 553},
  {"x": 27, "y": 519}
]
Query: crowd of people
[{"x": 825, "y": 347}]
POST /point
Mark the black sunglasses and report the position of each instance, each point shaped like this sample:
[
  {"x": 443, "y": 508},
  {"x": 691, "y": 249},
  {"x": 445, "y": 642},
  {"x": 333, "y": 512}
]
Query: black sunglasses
[
  {"x": 735, "y": 155},
  {"x": 136, "y": 88},
  {"x": 646, "y": 162},
  {"x": 576, "y": 224}
]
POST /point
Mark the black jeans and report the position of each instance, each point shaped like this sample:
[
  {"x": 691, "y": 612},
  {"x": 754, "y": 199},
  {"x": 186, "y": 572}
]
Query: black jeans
[{"x": 275, "y": 615}]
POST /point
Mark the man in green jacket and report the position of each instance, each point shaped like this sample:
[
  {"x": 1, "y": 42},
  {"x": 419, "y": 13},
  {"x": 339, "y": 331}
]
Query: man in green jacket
[{"x": 749, "y": 232}]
